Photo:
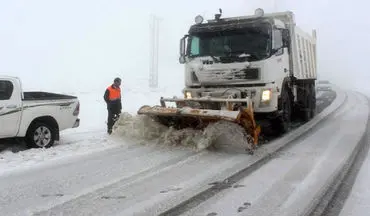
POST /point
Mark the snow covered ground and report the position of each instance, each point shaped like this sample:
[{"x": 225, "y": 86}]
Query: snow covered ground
[
  {"x": 358, "y": 202},
  {"x": 91, "y": 135},
  {"x": 92, "y": 173},
  {"x": 145, "y": 180}
]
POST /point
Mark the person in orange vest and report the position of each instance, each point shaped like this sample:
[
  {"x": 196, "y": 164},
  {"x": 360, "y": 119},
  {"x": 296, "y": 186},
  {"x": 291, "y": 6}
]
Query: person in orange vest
[{"x": 112, "y": 97}]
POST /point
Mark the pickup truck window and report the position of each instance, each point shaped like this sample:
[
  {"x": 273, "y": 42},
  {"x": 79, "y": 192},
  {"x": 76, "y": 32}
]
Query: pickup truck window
[{"x": 6, "y": 89}]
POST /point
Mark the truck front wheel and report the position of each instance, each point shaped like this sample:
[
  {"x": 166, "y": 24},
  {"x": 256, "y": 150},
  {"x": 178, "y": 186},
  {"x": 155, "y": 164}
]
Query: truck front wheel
[
  {"x": 40, "y": 135},
  {"x": 282, "y": 123}
]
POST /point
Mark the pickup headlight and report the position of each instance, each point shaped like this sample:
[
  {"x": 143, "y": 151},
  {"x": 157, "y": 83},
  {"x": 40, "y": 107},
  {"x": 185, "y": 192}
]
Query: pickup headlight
[
  {"x": 188, "y": 95},
  {"x": 266, "y": 95}
]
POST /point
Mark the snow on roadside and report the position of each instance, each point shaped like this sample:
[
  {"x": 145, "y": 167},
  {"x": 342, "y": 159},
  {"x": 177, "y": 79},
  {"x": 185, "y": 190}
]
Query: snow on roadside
[
  {"x": 358, "y": 202},
  {"x": 130, "y": 129},
  {"x": 88, "y": 138},
  {"x": 142, "y": 130},
  {"x": 70, "y": 146}
]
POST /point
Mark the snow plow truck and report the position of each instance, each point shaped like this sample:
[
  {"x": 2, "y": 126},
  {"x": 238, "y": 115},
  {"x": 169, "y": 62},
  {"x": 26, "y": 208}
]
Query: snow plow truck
[{"x": 246, "y": 70}]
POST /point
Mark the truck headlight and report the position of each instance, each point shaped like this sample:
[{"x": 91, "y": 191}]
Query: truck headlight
[
  {"x": 266, "y": 95},
  {"x": 188, "y": 95}
]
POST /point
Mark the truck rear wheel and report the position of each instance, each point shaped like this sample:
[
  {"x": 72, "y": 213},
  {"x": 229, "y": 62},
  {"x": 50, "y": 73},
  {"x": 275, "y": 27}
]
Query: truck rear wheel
[
  {"x": 310, "y": 103},
  {"x": 40, "y": 135},
  {"x": 313, "y": 90}
]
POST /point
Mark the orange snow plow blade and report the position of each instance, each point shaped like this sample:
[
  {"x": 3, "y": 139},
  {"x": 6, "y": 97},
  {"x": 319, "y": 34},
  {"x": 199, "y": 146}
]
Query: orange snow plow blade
[{"x": 184, "y": 117}]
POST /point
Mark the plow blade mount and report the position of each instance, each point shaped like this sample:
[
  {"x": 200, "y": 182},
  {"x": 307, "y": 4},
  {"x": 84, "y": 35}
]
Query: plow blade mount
[{"x": 186, "y": 117}]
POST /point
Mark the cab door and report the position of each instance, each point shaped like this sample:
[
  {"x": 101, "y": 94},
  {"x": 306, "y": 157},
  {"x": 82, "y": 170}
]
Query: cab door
[{"x": 10, "y": 108}]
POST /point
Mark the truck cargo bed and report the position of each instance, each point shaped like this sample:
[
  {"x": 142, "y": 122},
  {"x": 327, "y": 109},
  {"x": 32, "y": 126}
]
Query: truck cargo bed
[{"x": 35, "y": 95}]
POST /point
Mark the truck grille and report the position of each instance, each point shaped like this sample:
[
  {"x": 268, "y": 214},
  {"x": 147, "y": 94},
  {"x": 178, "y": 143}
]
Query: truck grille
[
  {"x": 250, "y": 73},
  {"x": 219, "y": 75}
]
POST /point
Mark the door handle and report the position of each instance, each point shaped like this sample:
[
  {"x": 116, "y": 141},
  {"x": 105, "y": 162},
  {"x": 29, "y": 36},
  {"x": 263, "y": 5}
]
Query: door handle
[{"x": 11, "y": 106}]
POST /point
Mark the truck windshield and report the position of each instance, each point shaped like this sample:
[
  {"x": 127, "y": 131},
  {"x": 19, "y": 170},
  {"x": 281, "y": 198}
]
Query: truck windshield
[{"x": 253, "y": 41}]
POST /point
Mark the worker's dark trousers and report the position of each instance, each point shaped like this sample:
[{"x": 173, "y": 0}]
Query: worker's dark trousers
[{"x": 113, "y": 116}]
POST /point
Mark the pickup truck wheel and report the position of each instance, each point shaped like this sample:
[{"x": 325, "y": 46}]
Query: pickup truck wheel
[{"x": 40, "y": 135}]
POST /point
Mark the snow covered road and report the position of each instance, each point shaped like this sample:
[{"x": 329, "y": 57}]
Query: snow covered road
[
  {"x": 290, "y": 183},
  {"x": 148, "y": 180},
  {"x": 358, "y": 202}
]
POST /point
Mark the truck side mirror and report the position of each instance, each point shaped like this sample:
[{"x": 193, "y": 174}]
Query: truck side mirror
[
  {"x": 182, "y": 49},
  {"x": 182, "y": 59},
  {"x": 286, "y": 37},
  {"x": 182, "y": 46}
]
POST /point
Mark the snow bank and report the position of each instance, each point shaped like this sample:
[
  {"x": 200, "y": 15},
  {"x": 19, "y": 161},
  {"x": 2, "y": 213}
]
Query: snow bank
[
  {"x": 70, "y": 146},
  {"x": 90, "y": 136},
  {"x": 143, "y": 130}
]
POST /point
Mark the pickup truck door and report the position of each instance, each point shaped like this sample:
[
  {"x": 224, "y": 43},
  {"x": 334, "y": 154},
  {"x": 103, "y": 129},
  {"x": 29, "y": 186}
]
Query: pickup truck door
[{"x": 10, "y": 108}]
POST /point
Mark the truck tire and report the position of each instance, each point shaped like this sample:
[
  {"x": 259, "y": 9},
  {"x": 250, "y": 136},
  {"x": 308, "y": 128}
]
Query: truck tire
[
  {"x": 40, "y": 135},
  {"x": 313, "y": 111},
  {"x": 310, "y": 103},
  {"x": 283, "y": 122}
]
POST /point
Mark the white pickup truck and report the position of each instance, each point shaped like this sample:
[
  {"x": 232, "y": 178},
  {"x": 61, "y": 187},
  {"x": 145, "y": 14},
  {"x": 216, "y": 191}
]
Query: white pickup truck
[{"x": 38, "y": 117}]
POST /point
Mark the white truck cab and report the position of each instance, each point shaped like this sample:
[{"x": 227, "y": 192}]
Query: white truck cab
[
  {"x": 264, "y": 56},
  {"x": 36, "y": 116}
]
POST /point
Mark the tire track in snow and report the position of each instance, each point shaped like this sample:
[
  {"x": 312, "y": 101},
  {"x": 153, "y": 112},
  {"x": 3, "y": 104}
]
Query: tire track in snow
[
  {"x": 290, "y": 182},
  {"x": 71, "y": 181},
  {"x": 333, "y": 201},
  {"x": 214, "y": 168},
  {"x": 259, "y": 162},
  {"x": 194, "y": 181},
  {"x": 152, "y": 190}
]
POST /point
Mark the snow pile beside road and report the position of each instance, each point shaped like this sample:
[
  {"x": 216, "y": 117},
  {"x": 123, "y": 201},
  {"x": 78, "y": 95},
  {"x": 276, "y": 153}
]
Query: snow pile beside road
[
  {"x": 74, "y": 145},
  {"x": 138, "y": 127},
  {"x": 90, "y": 137},
  {"x": 143, "y": 130}
]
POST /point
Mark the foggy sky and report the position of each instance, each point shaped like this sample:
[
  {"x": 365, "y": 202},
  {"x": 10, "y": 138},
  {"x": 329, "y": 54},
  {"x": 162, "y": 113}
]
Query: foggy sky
[{"x": 82, "y": 45}]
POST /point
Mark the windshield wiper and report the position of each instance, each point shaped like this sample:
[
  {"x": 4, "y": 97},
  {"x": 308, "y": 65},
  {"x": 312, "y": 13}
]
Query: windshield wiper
[{"x": 214, "y": 58}]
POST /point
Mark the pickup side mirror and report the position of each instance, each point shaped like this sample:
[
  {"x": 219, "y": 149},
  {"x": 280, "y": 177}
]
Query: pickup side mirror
[{"x": 182, "y": 49}]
